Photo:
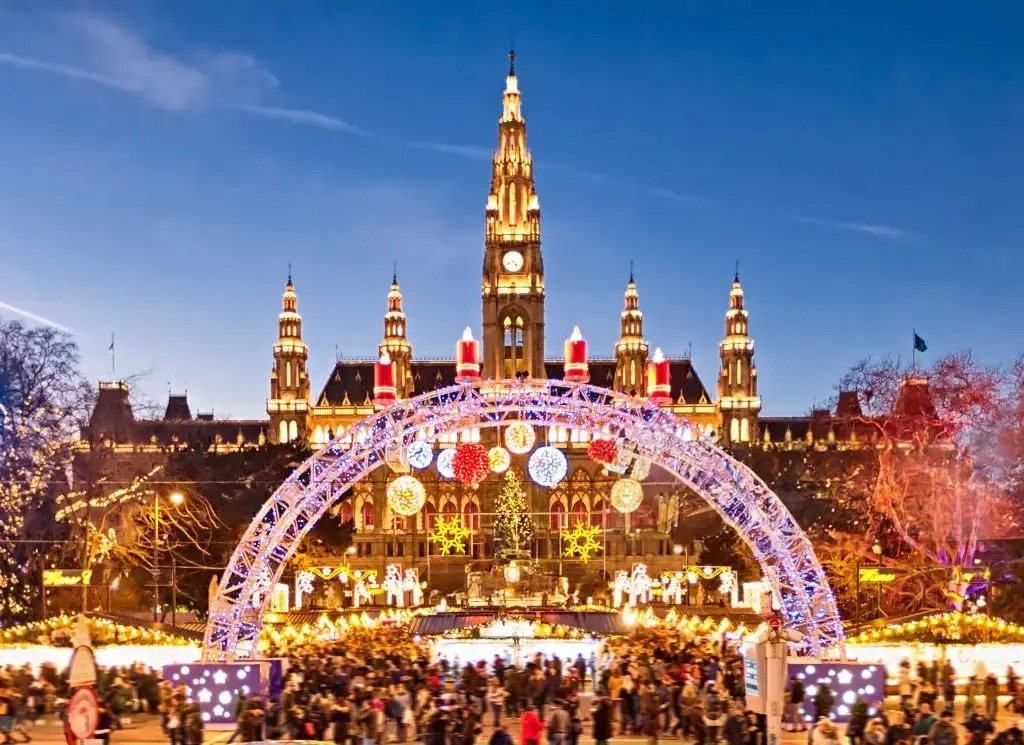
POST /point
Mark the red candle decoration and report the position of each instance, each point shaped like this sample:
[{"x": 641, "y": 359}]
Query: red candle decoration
[
  {"x": 602, "y": 451},
  {"x": 471, "y": 464},
  {"x": 659, "y": 384},
  {"x": 467, "y": 357},
  {"x": 384, "y": 390},
  {"x": 576, "y": 370}
]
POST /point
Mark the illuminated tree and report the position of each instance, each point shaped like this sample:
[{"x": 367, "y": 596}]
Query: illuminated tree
[
  {"x": 43, "y": 402},
  {"x": 513, "y": 526},
  {"x": 947, "y": 466}
]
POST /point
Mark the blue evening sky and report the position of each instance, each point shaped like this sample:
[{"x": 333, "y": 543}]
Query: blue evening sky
[{"x": 161, "y": 163}]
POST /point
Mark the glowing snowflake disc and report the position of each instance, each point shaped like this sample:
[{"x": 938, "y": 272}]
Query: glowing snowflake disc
[
  {"x": 547, "y": 466},
  {"x": 420, "y": 455},
  {"x": 445, "y": 463}
]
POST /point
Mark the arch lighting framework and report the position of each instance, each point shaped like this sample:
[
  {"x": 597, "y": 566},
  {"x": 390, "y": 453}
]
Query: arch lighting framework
[{"x": 733, "y": 490}]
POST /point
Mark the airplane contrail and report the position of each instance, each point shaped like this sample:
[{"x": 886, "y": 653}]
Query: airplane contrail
[{"x": 33, "y": 317}]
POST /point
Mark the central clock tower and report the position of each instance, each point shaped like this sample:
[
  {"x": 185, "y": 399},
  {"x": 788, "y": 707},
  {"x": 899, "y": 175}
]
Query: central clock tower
[{"x": 513, "y": 277}]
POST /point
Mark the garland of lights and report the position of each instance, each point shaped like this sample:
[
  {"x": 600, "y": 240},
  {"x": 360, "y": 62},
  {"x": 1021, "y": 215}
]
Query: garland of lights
[
  {"x": 547, "y": 466},
  {"x": 945, "y": 628},
  {"x": 783, "y": 551},
  {"x": 444, "y": 463},
  {"x": 581, "y": 541},
  {"x": 449, "y": 535},
  {"x": 470, "y": 464},
  {"x": 602, "y": 451},
  {"x": 406, "y": 496},
  {"x": 499, "y": 459},
  {"x": 627, "y": 495},
  {"x": 420, "y": 455},
  {"x": 520, "y": 438}
]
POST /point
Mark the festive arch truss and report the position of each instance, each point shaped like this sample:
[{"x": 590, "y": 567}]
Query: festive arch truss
[{"x": 734, "y": 491}]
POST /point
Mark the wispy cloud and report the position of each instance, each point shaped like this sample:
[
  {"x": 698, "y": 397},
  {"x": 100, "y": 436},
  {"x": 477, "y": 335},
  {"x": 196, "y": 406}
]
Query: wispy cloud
[
  {"x": 675, "y": 196},
  {"x": 473, "y": 152},
  {"x": 312, "y": 118},
  {"x": 33, "y": 317},
  {"x": 872, "y": 229},
  {"x": 115, "y": 58}
]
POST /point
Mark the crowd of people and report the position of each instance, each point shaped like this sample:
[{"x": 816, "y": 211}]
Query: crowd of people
[{"x": 379, "y": 686}]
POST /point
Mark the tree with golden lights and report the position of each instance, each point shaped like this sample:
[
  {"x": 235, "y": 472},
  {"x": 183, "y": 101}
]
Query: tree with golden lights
[{"x": 43, "y": 404}]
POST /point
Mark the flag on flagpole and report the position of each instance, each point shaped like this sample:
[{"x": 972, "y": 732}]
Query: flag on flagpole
[{"x": 919, "y": 345}]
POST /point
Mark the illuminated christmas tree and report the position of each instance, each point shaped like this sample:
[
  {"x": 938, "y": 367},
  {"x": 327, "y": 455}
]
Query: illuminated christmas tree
[{"x": 513, "y": 526}]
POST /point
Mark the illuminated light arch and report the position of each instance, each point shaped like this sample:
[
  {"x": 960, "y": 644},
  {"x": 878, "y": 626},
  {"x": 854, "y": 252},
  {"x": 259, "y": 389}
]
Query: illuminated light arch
[{"x": 778, "y": 544}]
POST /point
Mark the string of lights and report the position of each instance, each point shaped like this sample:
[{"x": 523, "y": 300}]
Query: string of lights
[{"x": 736, "y": 493}]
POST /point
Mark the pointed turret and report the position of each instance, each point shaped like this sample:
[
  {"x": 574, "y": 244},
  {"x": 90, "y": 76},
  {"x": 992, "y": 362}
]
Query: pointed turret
[
  {"x": 631, "y": 348},
  {"x": 396, "y": 344},
  {"x": 513, "y": 274},
  {"x": 738, "y": 401},
  {"x": 288, "y": 404}
]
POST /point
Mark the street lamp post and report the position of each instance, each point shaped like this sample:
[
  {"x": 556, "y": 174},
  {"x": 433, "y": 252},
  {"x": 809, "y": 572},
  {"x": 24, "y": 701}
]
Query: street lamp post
[
  {"x": 876, "y": 549},
  {"x": 176, "y": 498}
]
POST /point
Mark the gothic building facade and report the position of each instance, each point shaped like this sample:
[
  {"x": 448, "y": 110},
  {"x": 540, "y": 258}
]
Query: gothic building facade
[{"x": 513, "y": 292}]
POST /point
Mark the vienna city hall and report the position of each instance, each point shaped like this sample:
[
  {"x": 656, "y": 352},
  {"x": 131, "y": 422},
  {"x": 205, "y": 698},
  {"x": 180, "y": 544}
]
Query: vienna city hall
[{"x": 511, "y": 344}]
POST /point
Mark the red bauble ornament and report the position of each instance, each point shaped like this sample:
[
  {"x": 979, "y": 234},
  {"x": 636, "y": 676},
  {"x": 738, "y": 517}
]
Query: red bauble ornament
[
  {"x": 602, "y": 451},
  {"x": 470, "y": 463}
]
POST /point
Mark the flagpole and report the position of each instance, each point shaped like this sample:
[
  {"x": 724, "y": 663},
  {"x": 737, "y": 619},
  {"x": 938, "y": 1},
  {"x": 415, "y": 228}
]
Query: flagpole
[
  {"x": 913, "y": 352},
  {"x": 113, "y": 359}
]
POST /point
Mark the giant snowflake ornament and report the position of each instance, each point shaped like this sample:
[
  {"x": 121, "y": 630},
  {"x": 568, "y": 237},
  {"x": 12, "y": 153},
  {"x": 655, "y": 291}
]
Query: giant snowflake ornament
[
  {"x": 581, "y": 541},
  {"x": 449, "y": 535}
]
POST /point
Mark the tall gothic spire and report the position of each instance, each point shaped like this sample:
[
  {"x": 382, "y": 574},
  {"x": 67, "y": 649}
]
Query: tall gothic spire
[
  {"x": 289, "y": 382},
  {"x": 513, "y": 210},
  {"x": 396, "y": 345},
  {"x": 631, "y": 348}
]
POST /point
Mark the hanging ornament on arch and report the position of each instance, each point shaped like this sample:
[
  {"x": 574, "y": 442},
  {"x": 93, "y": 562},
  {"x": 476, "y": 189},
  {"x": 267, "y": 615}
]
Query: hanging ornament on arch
[
  {"x": 470, "y": 464},
  {"x": 602, "y": 451}
]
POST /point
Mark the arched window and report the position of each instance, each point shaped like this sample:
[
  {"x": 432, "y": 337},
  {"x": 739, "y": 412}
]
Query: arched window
[
  {"x": 739, "y": 372},
  {"x": 734, "y": 430},
  {"x": 745, "y": 430},
  {"x": 293, "y": 431},
  {"x": 514, "y": 356},
  {"x": 471, "y": 517},
  {"x": 318, "y": 435},
  {"x": 597, "y": 514},
  {"x": 429, "y": 516},
  {"x": 368, "y": 518},
  {"x": 579, "y": 514},
  {"x": 287, "y": 374},
  {"x": 397, "y": 523},
  {"x": 449, "y": 509},
  {"x": 557, "y": 516},
  {"x": 345, "y": 511},
  {"x": 282, "y": 434}
]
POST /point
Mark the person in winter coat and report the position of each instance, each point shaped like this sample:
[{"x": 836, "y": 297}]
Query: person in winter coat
[
  {"x": 943, "y": 732},
  {"x": 794, "y": 698},
  {"x": 824, "y": 700},
  {"x": 601, "y": 718},
  {"x": 990, "y": 690},
  {"x": 875, "y": 732},
  {"x": 734, "y": 729},
  {"x": 1012, "y": 736},
  {"x": 500, "y": 736},
  {"x": 824, "y": 733},
  {"x": 530, "y": 726},
  {"x": 858, "y": 721},
  {"x": 978, "y": 729}
]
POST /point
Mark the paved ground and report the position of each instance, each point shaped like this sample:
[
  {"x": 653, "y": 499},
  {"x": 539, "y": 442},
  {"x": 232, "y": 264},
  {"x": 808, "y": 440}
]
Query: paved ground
[{"x": 143, "y": 730}]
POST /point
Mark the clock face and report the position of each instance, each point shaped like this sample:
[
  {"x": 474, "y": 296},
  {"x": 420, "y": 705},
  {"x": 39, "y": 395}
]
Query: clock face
[{"x": 512, "y": 261}]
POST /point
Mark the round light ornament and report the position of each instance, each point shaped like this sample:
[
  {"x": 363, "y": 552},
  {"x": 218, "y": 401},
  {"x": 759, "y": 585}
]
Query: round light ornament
[
  {"x": 445, "y": 463},
  {"x": 520, "y": 438},
  {"x": 420, "y": 454},
  {"x": 627, "y": 494},
  {"x": 470, "y": 463},
  {"x": 547, "y": 466},
  {"x": 406, "y": 495},
  {"x": 499, "y": 459}
]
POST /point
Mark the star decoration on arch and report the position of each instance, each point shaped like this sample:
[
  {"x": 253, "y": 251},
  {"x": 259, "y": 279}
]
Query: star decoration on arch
[
  {"x": 449, "y": 535},
  {"x": 581, "y": 542}
]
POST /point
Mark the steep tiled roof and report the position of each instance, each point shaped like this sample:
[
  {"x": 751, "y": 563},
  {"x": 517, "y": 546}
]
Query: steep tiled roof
[
  {"x": 178, "y": 409},
  {"x": 112, "y": 417},
  {"x": 201, "y": 433},
  {"x": 351, "y": 381}
]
